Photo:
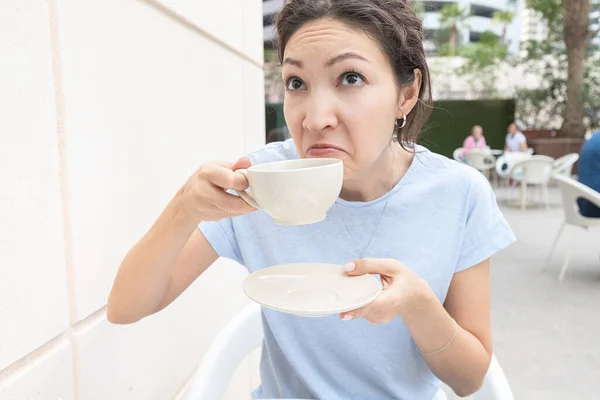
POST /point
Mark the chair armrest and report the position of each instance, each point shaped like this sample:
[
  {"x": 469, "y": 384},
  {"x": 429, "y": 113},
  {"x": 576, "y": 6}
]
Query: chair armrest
[{"x": 578, "y": 189}]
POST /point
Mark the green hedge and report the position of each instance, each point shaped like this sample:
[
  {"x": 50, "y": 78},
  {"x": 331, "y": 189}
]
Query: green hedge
[
  {"x": 274, "y": 116},
  {"x": 449, "y": 123}
]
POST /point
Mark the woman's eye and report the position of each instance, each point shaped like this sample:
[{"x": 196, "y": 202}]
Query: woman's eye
[
  {"x": 295, "y": 84},
  {"x": 352, "y": 79}
]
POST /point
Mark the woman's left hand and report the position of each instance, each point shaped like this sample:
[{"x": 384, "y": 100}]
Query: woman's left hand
[{"x": 403, "y": 290}]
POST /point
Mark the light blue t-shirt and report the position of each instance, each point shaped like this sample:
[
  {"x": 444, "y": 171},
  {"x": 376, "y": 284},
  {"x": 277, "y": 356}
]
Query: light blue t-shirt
[{"x": 441, "y": 218}]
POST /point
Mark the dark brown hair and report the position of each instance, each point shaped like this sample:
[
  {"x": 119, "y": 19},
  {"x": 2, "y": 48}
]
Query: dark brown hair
[{"x": 391, "y": 23}]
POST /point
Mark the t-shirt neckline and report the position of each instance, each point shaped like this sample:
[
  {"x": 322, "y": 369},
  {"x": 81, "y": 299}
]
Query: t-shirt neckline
[{"x": 410, "y": 172}]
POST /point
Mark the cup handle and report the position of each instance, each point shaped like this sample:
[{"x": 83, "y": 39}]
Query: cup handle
[{"x": 245, "y": 195}]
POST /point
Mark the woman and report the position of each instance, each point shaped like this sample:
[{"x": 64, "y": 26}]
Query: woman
[
  {"x": 475, "y": 140},
  {"x": 355, "y": 74}
]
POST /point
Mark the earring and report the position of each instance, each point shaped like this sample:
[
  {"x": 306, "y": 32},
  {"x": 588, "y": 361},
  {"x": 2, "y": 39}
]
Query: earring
[{"x": 403, "y": 122}]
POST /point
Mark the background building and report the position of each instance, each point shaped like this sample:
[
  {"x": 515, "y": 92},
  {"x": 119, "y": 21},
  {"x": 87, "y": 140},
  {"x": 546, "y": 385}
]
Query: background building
[
  {"x": 480, "y": 21},
  {"x": 532, "y": 28},
  {"x": 270, "y": 9}
]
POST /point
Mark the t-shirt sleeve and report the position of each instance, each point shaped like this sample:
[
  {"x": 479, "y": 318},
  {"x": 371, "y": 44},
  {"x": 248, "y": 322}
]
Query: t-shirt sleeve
[
  {"x": 221, "y": 236},
  {"x": 486, "y": 231}
]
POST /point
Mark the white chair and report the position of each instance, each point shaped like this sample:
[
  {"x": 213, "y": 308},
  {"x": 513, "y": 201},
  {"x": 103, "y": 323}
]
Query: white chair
[
  {"x": 504, "y": 165},
  {"x": 240, "y": 337},
  {"x": 244, "y": 334},
  {"x": 482, "y": 161},
  {"x": 536, "y": 170},
  {"x": 564, "y": 164},
  {"x": 456, "y": 154},
  {"x": 571, "y": 191}
]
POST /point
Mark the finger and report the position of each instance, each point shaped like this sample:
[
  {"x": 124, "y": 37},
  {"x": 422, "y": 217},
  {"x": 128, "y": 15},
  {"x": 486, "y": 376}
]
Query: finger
[
  {"x": 226, "y": 164},
  {"x": 354, "y": 314},
  {"x": 242, "y": 163},
  {"x": 382, "y": 266},
  {"x": 379, "y": 302},
  {"x": 230, "y": 203},
  {"x": 225, "y": 178}
]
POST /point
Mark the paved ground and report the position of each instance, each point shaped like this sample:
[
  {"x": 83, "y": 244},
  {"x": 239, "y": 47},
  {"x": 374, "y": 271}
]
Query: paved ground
[{"x": 546, "y": 332}]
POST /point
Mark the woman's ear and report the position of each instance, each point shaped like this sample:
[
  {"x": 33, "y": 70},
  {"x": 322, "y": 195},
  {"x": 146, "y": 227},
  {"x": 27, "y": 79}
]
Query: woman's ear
[{"x": 410, "y": 95}]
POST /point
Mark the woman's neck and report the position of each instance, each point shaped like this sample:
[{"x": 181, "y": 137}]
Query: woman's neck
[{"x": 373, "y": 182}]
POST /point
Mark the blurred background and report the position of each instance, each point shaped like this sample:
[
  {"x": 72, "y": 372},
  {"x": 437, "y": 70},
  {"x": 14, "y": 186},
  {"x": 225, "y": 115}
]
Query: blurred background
[{"x": 107, "y": 107}]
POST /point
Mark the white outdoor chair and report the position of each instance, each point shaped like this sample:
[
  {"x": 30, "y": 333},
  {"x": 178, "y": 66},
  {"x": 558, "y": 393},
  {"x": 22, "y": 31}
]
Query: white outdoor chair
[
  {"x": 482, "y": 161},
  {"x": 564, "y": 164},
  {"x": 456, "y": 154},
  {"x": 537, "y": 170},
  {"x": 244, "y": 334},
  {"x": 571, "y": 191},
  {"x": 509, "y": 159}
]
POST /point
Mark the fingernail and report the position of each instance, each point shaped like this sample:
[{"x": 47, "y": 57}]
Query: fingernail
[
  {"x": 350, "y": 266},
  {"x": 347, "y": 317}
]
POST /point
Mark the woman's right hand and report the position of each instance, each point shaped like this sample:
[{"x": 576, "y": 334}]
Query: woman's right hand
[{"x": 204, "y": 197}]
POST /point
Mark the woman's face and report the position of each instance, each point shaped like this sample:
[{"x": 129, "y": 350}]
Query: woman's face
[{"x": 341, "y": 97}]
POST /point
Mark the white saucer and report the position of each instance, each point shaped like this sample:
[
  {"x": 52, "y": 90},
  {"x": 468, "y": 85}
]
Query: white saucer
[{"x": 310, "y": 289}]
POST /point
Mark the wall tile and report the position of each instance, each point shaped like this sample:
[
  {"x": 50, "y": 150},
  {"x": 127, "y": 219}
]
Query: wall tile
[
  {"x": 222, "y": 19},
  {"x": 153, "y": 358},
  {"x": 49, "y": 378},
  {"x": 33, "y": 300},
  {"x": 254, "y": 107},
  {"x": 144, "y": 108},
  {"x": 252, "y": 36}
]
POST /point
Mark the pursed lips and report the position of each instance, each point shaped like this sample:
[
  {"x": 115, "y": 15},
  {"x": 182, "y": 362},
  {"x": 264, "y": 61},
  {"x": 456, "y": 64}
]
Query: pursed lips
[{"x": 323, "y": 149}]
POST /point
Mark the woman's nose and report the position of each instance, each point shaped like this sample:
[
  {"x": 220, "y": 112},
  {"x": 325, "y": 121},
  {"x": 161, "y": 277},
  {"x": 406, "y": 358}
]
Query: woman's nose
[{"x": 320, "y": 114}]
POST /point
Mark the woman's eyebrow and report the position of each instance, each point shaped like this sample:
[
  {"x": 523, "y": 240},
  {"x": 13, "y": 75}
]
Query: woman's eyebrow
[
  {"x": 293, "y": 61},
  {"x": 344, "y": 56},
  {"x": 332, "y": 61}
]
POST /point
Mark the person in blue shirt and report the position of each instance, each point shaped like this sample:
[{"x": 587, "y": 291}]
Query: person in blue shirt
[
  {"x": 357, "y": 89},
  {"x": 589, "y": 173}
]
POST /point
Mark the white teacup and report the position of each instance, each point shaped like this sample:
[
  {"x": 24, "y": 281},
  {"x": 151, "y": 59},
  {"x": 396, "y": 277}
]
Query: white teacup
[{"x": 295, "y": 192}]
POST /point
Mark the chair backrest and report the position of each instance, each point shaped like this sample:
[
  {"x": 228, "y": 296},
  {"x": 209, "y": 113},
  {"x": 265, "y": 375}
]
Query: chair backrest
[
  {"x": 564, "y": 164},
  {"x": 535, "y": 170},
  {"x": 510, "y": 159},
  {"x": 456, "y": 154},
  {"x": 480, "y": 160},
  {"x": 495, "y": 386},
  {"x": 239, "y": 338},
  {"x": 572, "y": 190},
  {"x": 245, "y": 333}
]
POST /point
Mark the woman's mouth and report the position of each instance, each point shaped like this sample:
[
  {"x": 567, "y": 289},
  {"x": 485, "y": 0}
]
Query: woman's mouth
[{"x": 323, "y": 150}]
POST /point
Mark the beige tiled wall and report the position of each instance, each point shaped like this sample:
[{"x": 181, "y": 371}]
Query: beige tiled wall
[{"x": 106, "y": 107}]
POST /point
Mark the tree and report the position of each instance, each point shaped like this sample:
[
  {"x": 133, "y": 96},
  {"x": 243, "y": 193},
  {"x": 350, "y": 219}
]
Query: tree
[
  {"x": 452, "y": 16},
  {"x": 562, "y": 88},
  {"x": 503, "y": 18},
  {"x": 488, "y": 52},
  {"x": 576, "y": 31}
]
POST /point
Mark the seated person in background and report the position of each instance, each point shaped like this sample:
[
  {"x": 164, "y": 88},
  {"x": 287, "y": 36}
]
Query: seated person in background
[
  {"x": 589, "y": 173},
  {"x": 515, "y": 140},
  {"x": 474, "y": 141}
]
